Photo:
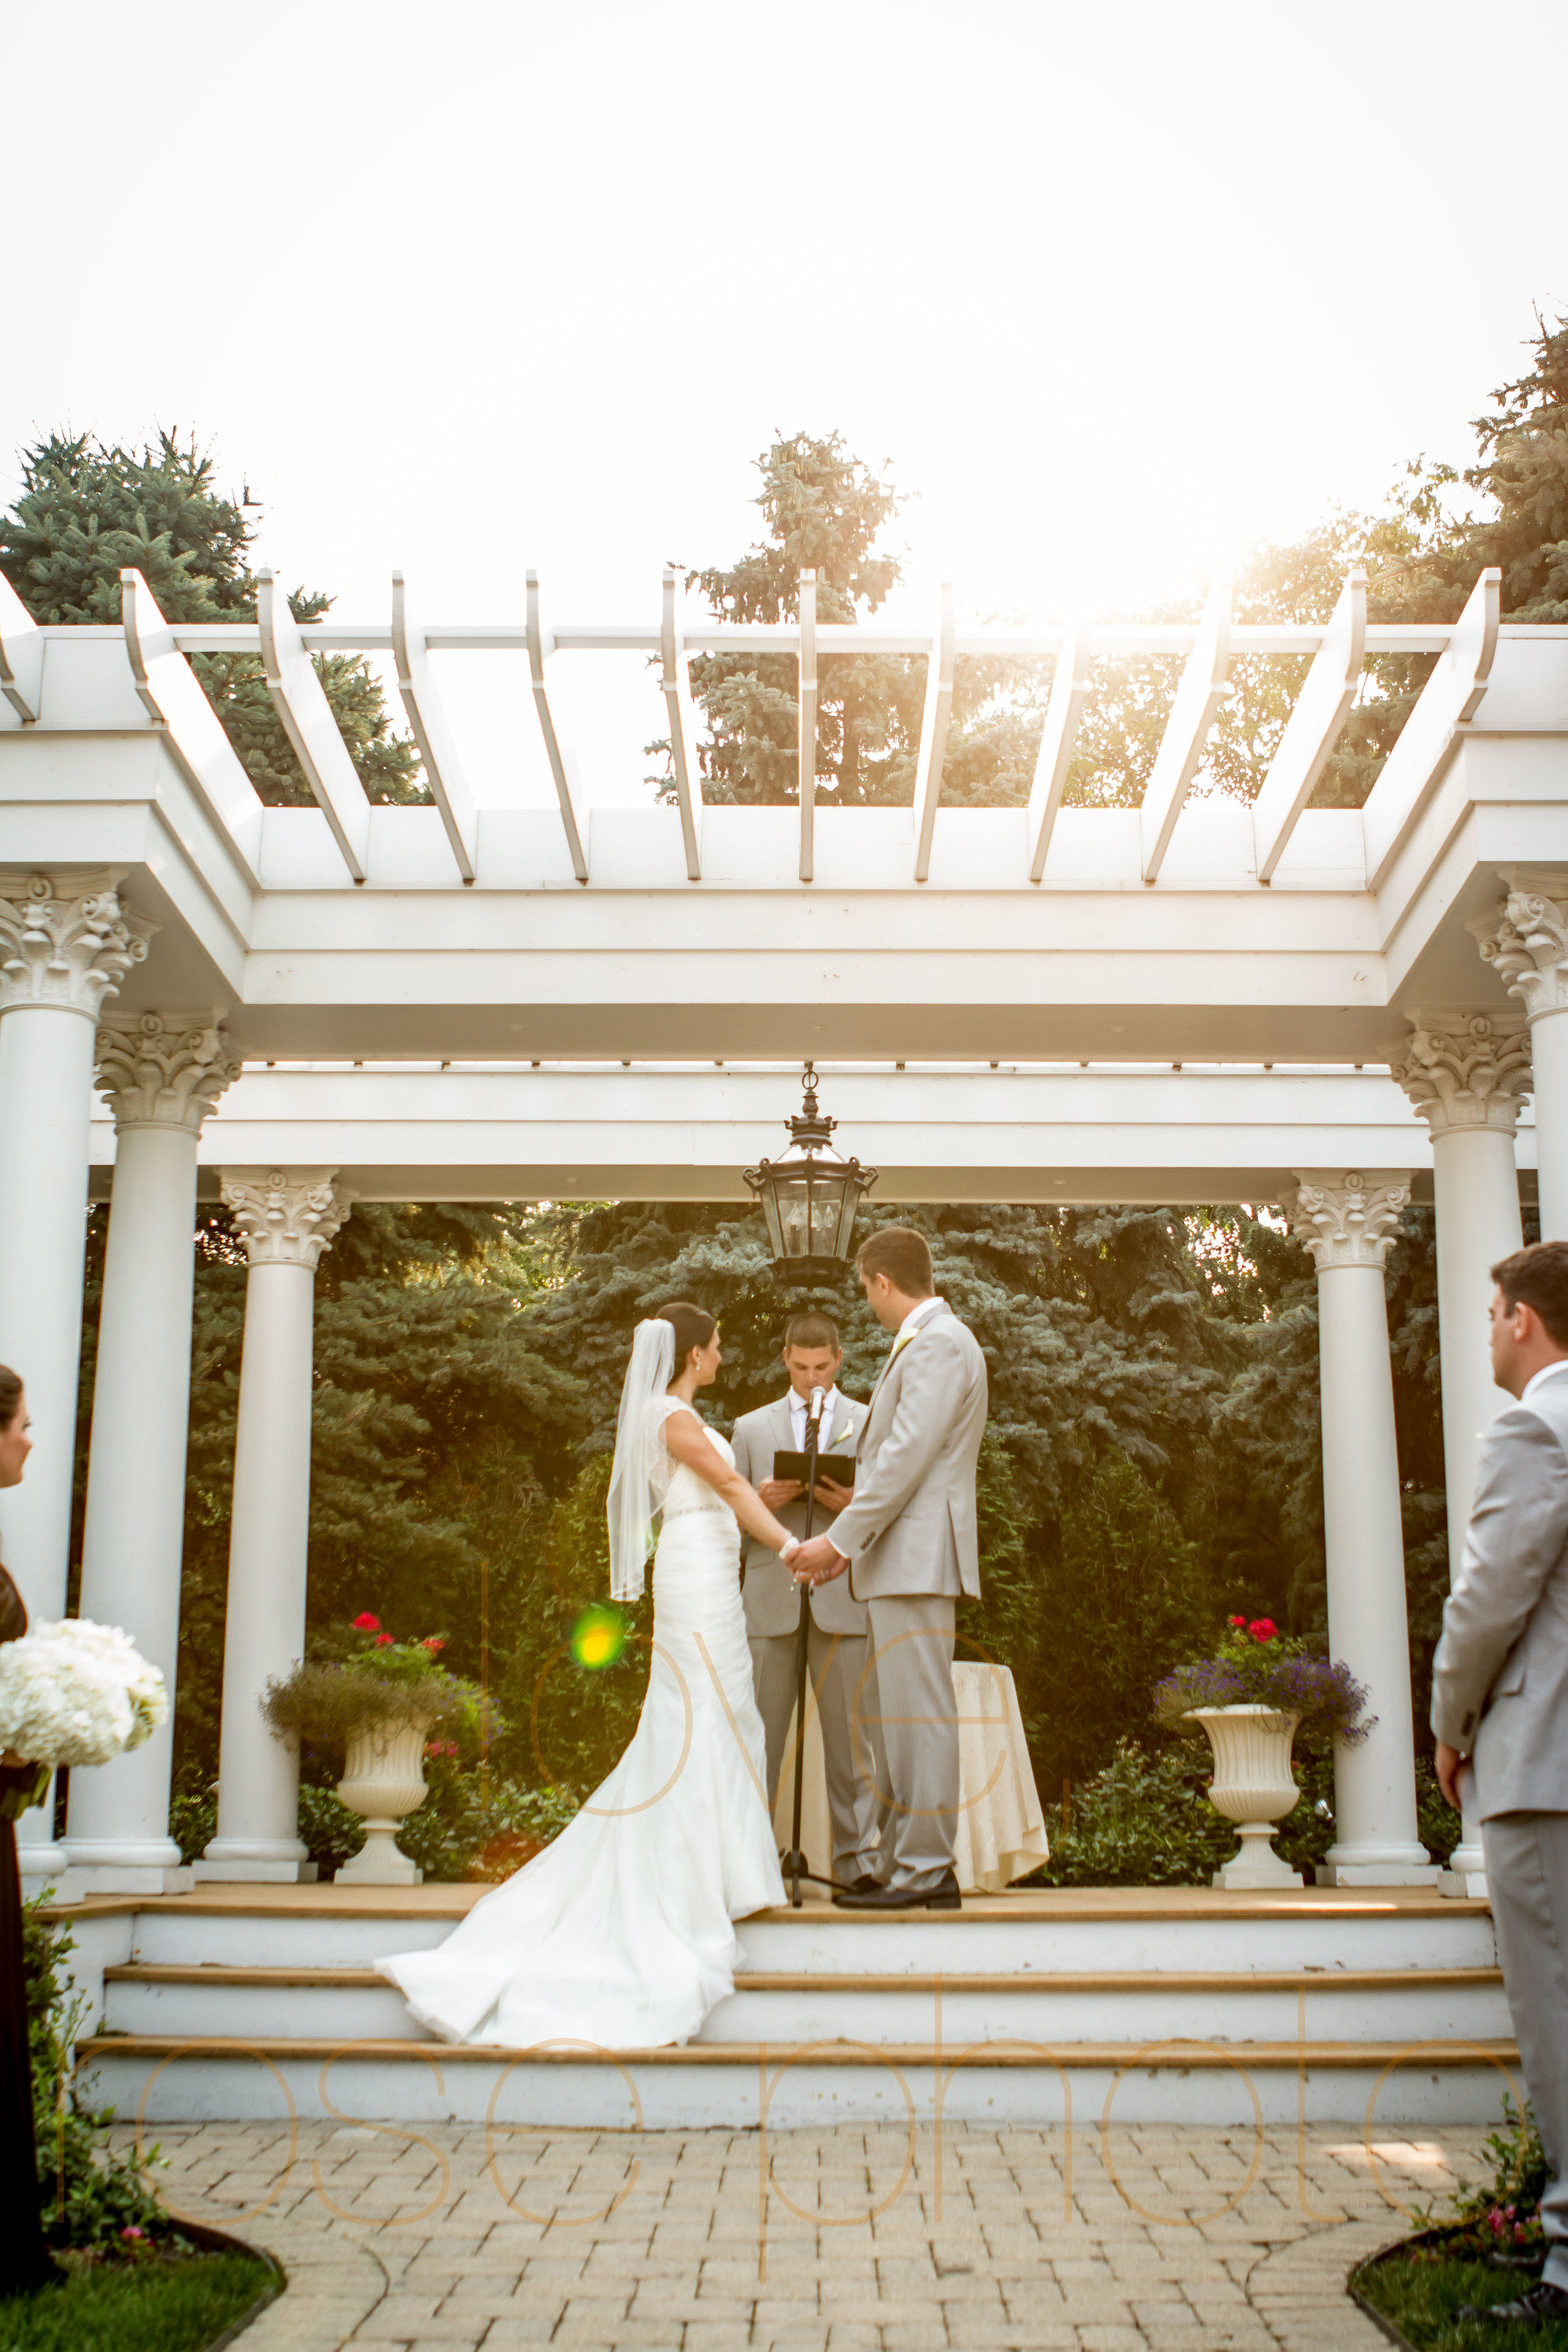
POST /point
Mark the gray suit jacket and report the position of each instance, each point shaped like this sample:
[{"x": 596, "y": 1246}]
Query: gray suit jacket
[
  {"x": 771, "y": 1597},
  {"x": 911, "y": 1525},
  {"x": 1499, "y": 1680}
]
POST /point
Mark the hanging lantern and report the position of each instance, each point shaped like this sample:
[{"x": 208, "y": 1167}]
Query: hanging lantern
[{"x": 809, "y": 1197}]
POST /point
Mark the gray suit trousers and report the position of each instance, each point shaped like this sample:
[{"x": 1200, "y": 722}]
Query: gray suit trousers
[
  {"x": 908, "y": 1693},
  {"x": 835, "y": 1663},
  {"x": 1527, "y": 1877}
]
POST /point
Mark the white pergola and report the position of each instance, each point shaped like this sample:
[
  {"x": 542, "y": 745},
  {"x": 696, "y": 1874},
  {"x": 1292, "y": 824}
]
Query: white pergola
[{"x": 1194, "y": 1001}]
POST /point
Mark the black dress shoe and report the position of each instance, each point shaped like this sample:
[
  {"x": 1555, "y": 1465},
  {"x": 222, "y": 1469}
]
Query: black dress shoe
[
  {"x": 1533, "y": 2309},
  {"x": 943, "y": 1896},
  {"x": 864, "y": 1885}
]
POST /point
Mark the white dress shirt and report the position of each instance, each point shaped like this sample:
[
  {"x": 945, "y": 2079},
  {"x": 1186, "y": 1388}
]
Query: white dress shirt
[
  {"x": 800, "y": 1413},
  {"x": 1537, "y": 1380}
]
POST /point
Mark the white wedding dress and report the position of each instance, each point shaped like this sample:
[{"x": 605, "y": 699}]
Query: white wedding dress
[{"x": 620, "y": 1933}]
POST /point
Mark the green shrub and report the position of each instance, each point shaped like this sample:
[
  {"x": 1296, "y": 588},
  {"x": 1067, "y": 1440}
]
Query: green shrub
[{"x": 90, "y": 2195}]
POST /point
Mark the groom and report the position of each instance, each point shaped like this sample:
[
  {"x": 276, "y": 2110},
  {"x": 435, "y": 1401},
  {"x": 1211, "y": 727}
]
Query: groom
[{"x": 907, "y": 1540}]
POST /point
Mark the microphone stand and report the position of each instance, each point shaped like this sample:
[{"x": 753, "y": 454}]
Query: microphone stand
[{"x": 795, "y": 1862}]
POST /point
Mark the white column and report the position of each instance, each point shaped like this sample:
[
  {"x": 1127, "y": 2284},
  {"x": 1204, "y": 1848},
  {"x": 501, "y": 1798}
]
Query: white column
[
  {"x": 63, "y": 948},
  {"x": 1466, "y": 1075},
  {"x": 1348, "y": 1221},
  {"x": 161, "y": 1074},
  {"x": 1525, "y": 940},
  {"x": 288, "y": 1218}
]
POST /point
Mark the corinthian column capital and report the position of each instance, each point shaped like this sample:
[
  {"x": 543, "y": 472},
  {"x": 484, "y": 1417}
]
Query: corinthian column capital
[
  {"x": 65, "y": 946},
  {"x": 288, "y": 1216},
  {"x": 1344, "y": 1218},
  {"x": 1466, "y": 1070},
  {"x": 164, "y": 1069},
  {"x": 1525, "y": 940}
]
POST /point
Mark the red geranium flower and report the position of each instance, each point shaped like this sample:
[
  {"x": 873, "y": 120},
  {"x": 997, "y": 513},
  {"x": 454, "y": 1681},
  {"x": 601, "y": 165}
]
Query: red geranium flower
[
  {"x": 366, "y": 1623},
  {"x": 1262, "y": 1629},
  {"x": 1239, "y": 1620},
  {"x": 433, "y": 1641},
  {"x": 381, "y": 1642}
]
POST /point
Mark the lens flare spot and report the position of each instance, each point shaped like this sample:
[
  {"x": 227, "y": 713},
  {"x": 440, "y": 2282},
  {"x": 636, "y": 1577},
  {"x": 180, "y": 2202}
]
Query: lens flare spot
[{"x": 598, "y": 1637}]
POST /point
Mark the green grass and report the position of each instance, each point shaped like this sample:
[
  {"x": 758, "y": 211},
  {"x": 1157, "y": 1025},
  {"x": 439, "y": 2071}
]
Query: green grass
[
  {"x": 177, "y": 2304},
  {"x": 1420, "y": 2293}
]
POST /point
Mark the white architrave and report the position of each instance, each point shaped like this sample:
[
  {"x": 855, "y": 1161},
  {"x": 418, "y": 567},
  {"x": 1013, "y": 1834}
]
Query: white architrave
[
  {"x": 171, "y": 693},
  {"x": 161, "y": 1074},
  {"x": 563, "y": 768},
  {"x": 935, "y": 719},
  {"x": 428, "y": 718},
  {"x": 1069, "y": 692},
  {"x": 308, "y": 723},
  {"x": 1314, "y": 727},
  {"x": 287, "y": 1216},
  {"x": 63, "y": 948},
  {"x": 1193, "y": 713},
  {"x": 1428, "y": 738},
  {"x": 682, "y": 735},
  {"x": 1348, "y": 1225},
  {"x": 1467, "y": 1074},
  {"x": 806, "y": 739},
  {"x": 21, "y": 656},
  {"x": 1525, "y": 940}
]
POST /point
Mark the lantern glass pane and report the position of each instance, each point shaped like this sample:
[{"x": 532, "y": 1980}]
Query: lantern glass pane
[
  {"x": 825, "y": 1216},
  {"x": 771, "y": 1216},
  {"x": 847, "y": 1206},
  {"x": 793, "y": 1211}
]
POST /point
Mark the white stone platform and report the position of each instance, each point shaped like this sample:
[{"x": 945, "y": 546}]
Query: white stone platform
[{"x": 1186, "y": 2006}]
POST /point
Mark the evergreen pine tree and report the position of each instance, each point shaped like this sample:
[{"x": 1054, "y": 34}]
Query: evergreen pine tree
[{"x": 88, "y": 511}]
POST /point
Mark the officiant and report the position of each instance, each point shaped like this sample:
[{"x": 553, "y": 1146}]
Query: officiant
[{"x": 839, "y": 1633}]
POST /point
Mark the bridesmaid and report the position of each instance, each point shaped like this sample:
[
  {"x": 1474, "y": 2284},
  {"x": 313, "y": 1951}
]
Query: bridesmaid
[{"x": 25, "y": 2262}]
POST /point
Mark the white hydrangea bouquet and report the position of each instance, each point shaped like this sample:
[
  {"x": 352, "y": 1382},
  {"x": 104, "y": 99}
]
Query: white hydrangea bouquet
[{"x": 75, "y": 1693}]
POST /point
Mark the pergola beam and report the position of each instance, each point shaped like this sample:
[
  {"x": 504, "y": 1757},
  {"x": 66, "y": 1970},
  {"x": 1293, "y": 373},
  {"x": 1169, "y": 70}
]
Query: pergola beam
[
  {"x": 1069, "y": 692},
  {"x": 1429, "y": 736},
  {"x": 1193, "y": 713},
  {"x": 808, "y": 737},
  {"x": 170, "y": 694},
  {"x": 308, "y": 723},
  {"x": 566, "y": 793},
  {"x": 1315, "y": 726},
  {"x": 935, "y": 719},
  {"x": 682, "y": 741},
  {"x": 21, "y": 654},
  {"x": 428, "y": 718}
]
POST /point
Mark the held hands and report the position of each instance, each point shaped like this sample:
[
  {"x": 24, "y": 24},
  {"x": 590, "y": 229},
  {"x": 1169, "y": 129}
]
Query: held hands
[{"x": 817, "y": 1562}]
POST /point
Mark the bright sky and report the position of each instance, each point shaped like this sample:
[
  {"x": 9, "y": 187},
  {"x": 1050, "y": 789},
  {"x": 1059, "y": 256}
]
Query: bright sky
[{"x": 1117, "y": 286}]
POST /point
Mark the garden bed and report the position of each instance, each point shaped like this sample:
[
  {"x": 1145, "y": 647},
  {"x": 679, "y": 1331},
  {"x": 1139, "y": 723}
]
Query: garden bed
[
  {"x": 195, "y": 2297},
  {"x": 1413, "y": 2290}
]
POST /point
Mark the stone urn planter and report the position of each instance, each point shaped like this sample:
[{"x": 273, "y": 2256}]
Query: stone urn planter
[
  {"x": 383, "y": 1778},
  {"x": 1253, "y": 1787}
]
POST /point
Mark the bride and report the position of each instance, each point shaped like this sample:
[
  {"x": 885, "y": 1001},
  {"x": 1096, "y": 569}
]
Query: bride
[{"x": 619, "y": 1933}]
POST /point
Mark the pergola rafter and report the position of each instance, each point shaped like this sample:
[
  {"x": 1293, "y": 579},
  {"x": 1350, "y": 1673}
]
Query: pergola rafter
[{"x": 428, "y": 718}]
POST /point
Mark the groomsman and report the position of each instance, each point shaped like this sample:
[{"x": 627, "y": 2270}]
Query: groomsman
[
  {"x": 836, "y": 1652},
  {"x": 1500, "y": 1709}
]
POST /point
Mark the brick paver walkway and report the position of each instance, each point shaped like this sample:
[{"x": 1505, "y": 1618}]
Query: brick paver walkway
[{"x": 861, "y": 2244}]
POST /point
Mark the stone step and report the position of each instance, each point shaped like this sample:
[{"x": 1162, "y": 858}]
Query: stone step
[
  {"x": 1196, "y": 1931},
  {"x": 1062, "y": 2007},
  {"x": 739, "y": 2085}
]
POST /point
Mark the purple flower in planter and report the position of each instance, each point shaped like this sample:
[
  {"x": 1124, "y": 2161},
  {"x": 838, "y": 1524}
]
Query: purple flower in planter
[{"x": 1251, "y": 1668}]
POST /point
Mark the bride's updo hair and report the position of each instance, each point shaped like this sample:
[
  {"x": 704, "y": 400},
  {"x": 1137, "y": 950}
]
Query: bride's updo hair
[{"x": 693, "y": 1327}]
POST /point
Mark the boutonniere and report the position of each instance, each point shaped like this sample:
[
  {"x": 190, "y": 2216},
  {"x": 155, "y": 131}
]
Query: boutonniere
[{"x": 843, "y": 1430}]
